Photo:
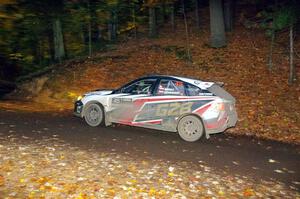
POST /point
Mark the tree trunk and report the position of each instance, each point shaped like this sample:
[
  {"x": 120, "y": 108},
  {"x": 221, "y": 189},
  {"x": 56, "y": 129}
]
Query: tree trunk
[
  {"x": 90, "y": 39},
  {"x": 90, "y": 30},
  {"x": 152, "y": 22},
  {"x": 51, "y": 44},
  {"x": 217, "y": 29},
  {"x": 228, "y": 15},
  {"x": 36, "y": 50},
  {"x": 186, "y": 34},
  {"x": 94, "y": 22},
  {"x": 163, "y": 13},
  {"x": 109, "y": 31},
  {"x": 197, "y": 13},
  {"x": 134, "y": 22},
  {"x": 270, "y": 64},
  {"x": 40, "y": 50},
  {"x": 115, "y": 26},
  {"x": 99, "y": 32},
  {"x": 59, "y": 50},
  {"x": 292, "y": 75},
  {"x": 172, "y": 16},
  {"x": 112, "y": 27}
]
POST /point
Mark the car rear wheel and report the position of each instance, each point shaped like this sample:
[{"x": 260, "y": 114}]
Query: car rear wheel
[
  {"x": 94, "y": 115},
  {"x": 190, "y": 128}
]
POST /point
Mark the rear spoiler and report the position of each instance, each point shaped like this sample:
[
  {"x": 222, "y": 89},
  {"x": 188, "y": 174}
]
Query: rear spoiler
[{"x": 220, "y": 83}]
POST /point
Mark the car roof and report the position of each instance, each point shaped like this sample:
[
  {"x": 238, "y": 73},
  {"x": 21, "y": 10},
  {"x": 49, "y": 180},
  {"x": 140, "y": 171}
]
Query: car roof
[
  {"x": 195, "y": 82},
  {"x": 170, "y": 76}
]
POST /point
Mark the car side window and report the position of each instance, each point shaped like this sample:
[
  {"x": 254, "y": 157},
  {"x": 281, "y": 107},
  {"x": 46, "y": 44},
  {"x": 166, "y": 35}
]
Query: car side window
[
  {"x": 140, "y": 87},
  {"x": 196, "y": 91},
  {"x": 170, "y": 87}
]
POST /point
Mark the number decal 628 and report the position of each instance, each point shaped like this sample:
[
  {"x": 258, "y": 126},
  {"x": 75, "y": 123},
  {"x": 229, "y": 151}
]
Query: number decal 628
[{"x": 173, "y": 109}]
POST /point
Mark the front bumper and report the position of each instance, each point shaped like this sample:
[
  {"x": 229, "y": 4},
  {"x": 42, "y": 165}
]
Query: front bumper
[{"x": 78, "y": 108}]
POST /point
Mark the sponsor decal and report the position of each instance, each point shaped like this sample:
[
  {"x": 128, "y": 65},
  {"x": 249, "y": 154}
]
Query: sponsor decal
[
  {"x": 162, "y": 110},
  {"x": 120, "y": 100},
  {"x": 116, "y": 100},
  {"x": 197, "y": 82}
]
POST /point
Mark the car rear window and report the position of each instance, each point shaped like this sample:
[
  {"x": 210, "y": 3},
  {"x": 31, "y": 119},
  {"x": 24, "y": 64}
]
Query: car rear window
[
  {"x": 170, "y": 87},
  {"x": 196, "y": 91}
]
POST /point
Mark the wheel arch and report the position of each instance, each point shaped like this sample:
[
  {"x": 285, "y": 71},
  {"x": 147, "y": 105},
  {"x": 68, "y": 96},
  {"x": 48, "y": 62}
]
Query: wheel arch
[{"x": 192, "y": 114}]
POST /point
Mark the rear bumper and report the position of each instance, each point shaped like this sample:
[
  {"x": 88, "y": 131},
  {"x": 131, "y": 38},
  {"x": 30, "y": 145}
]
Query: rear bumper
[
  {"x": 232, "y": 120},
  {"x": 224, "y": 123}
]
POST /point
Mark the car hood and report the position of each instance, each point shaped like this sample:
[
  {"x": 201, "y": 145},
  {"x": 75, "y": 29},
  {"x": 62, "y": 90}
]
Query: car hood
[{"x": 99, "y": 92}]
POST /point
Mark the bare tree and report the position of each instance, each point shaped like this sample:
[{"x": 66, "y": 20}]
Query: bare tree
[
  {"x": 152, "y": 22},
  {"x": 172, "y": 16},
  {"x": 197, "y": 13},
  {"x": 89, "y": 28},
  {"x": 186, "y": 33},
  {"x": 270, "y": 64},
  {"x": 59, "y": 49},
  {"x": 228, "y": 15},
  {"x": 292, "y": 74},
  {"x": 217, "y": 29}
]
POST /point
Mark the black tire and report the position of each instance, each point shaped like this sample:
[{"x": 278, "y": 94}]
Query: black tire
[
  {"x": 94, "y": 115},
  {"x": 190, "y": 128}
]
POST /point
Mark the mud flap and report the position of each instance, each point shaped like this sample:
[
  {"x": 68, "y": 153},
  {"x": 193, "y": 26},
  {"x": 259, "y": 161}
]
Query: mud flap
[
  {"x": 107, "y": 121},
  {"x": 207, "y": 135}
]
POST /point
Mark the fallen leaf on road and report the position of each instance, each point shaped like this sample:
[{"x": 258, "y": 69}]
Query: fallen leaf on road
[
  {"x": 273, "y": 161},
  {"x": 249, "y": 193},
  {"x": 1, "y": 180},
  {"x": 278, "y": 171}
]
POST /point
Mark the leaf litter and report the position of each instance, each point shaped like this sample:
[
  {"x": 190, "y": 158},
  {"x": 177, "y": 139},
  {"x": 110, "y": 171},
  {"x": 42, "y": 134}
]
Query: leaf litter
[{"x": 51, "y": 168}]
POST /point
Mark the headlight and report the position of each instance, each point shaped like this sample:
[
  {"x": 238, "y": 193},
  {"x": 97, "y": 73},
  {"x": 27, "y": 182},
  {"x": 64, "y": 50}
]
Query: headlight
[{"x": 79, "y": 97}]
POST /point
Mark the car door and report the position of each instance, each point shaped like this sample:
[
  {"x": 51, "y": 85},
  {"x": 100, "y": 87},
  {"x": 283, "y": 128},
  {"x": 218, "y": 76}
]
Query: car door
[
  {"x": 161, "y": 110},
  {"x": 124, "y": 108}
]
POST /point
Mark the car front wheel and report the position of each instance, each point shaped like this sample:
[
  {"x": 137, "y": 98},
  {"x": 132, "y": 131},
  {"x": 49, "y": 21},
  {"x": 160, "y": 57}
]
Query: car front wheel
[
  {"x": 94, "y": 115},
  {"x": 190, "y": 128}
]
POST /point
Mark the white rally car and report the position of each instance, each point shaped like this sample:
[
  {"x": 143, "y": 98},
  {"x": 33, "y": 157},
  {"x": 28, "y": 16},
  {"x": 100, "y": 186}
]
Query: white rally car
[{"x": 176, "y": 104}]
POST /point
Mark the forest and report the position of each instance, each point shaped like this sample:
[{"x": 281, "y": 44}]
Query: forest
[{"x": 36, "y": 34}]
